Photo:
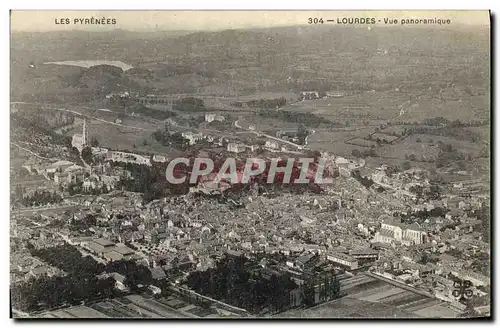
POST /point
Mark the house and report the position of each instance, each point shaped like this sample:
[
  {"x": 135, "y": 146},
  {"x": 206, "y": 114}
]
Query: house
[
  {"x": 236, "y": 147},
  {"x": 271, "y": 144},
  {"x": 291, "y": 133},
  {"x": 59, "y": 166},
  {"x": 159, "y": 158},
  {"x": 154, "y": 290},
  {"x": 214, "y": 117},
  {"x": 406, "y": 277},
  {"x": 343, "y": 259},
  {"x": 308, "y": 95},
  {"x": 210, "y": 117},
  {"x": 341, "y": 161},
  {"x": 392, "y": 231},
  {"x": 365, "y": 255},
  {"x": 454, "y": 213},
  {"x": 112, "y": 256},
  {"x": 119, "y": 281},
  {"x": 109, "y": 181},
  {"x": 118, "y": 252},
  {"x": 118, "y": 156},
  {"x": 75, "y": 174},
  {"x": 192, "y": 137},
  {"x": 100, "y": 246},
  {"x": 424, "y": 270},
  {"x": 61, "y": 177},
  {"x": 305, "y": 261}
]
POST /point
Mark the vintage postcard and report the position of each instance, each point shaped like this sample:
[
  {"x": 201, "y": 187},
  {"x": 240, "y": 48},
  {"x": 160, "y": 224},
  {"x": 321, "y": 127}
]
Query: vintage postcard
[{"x": 250, "y": 164}]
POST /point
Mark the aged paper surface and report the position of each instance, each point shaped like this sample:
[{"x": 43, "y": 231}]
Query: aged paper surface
[{"x": 235, "y": 164}]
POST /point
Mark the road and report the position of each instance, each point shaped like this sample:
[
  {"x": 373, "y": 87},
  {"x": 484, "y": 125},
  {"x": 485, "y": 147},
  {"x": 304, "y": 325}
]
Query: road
[
  {"x": 42, "y": 209},
  {"x": 99, "y": 119},
  {"x": 236, "y": 124},
  {"x": 95, "y": 118},
  {"x": 29, "y": 151}
]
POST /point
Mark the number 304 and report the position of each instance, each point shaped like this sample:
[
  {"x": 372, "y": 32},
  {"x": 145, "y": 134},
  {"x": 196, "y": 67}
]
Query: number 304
[{"x": 315, "y": 20}]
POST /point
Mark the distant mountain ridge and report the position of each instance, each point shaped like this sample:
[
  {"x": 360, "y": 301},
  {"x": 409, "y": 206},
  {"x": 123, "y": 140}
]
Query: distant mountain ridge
[{"x": 244, "y": 61}]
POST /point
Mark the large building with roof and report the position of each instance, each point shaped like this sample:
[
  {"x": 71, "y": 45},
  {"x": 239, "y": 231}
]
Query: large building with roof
[
  {"x": 108, "y": 250},
  {"x": 343, "y": 260},
  {"x": 392, "y": 231},
  {"x": 80, "y": 141}
]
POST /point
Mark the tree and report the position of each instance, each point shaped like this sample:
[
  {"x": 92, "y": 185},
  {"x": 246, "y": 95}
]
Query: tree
[
  {"x": 94, "y": 142},
  {"x": 369, "y": 153},
  {"x": 434, "y": 192},
  {"x": 302, "y": 133},
  {"x": 406, "y": 166},
  {"x": 356, "y": 153},
  {"x": 41, "y": 198},
  {"x": 87, "y": 155},
  {"x": 308, "y": 293},
  {"x": 418, "y": 190},
  {"x": 425, "y": 259}
]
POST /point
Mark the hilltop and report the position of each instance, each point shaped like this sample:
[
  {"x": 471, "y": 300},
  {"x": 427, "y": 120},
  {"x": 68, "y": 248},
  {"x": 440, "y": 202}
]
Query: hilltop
[{"x": 239, "y": 62}]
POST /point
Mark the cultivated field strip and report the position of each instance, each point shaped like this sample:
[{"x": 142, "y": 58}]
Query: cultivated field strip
[{"x": 381, "y": 294}]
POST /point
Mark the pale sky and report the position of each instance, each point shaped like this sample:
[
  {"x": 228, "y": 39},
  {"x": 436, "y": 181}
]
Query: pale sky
[{"x": 218, "y": 20}]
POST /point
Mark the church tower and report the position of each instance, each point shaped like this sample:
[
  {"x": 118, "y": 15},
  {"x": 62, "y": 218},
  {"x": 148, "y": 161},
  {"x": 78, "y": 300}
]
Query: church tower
[{"x": 84, "y": 134}]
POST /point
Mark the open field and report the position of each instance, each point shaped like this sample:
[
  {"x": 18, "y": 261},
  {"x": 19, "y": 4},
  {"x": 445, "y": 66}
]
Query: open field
[
  {"x": 366, "y": 105},
  {"x": 466, "y": 147},
  {"x": 369, "y": 297},
  {"x": 133, "y": 306},
  {"x": 334, "y": 140},
  {"x": 379, "y": 107},
  {"x": 265, "y": 123},
  {"x": 409, "y": 146},
  {"x": 484, "y": 132},
  {"x": 118, "y": 137},
  {"x": 466, "y": 108},
  {"x": 362, "y": 142}
]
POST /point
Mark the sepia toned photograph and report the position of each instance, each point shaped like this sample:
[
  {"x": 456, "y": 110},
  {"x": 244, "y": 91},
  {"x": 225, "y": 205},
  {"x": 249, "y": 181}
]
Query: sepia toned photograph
[{"x": 250, "y": 164}]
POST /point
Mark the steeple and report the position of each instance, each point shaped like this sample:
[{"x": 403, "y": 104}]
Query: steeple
[{"x": 84, "y": 134}]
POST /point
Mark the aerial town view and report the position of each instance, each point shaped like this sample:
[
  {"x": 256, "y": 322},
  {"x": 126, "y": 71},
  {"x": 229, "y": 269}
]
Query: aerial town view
[{"x": 212, "y": 165}]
